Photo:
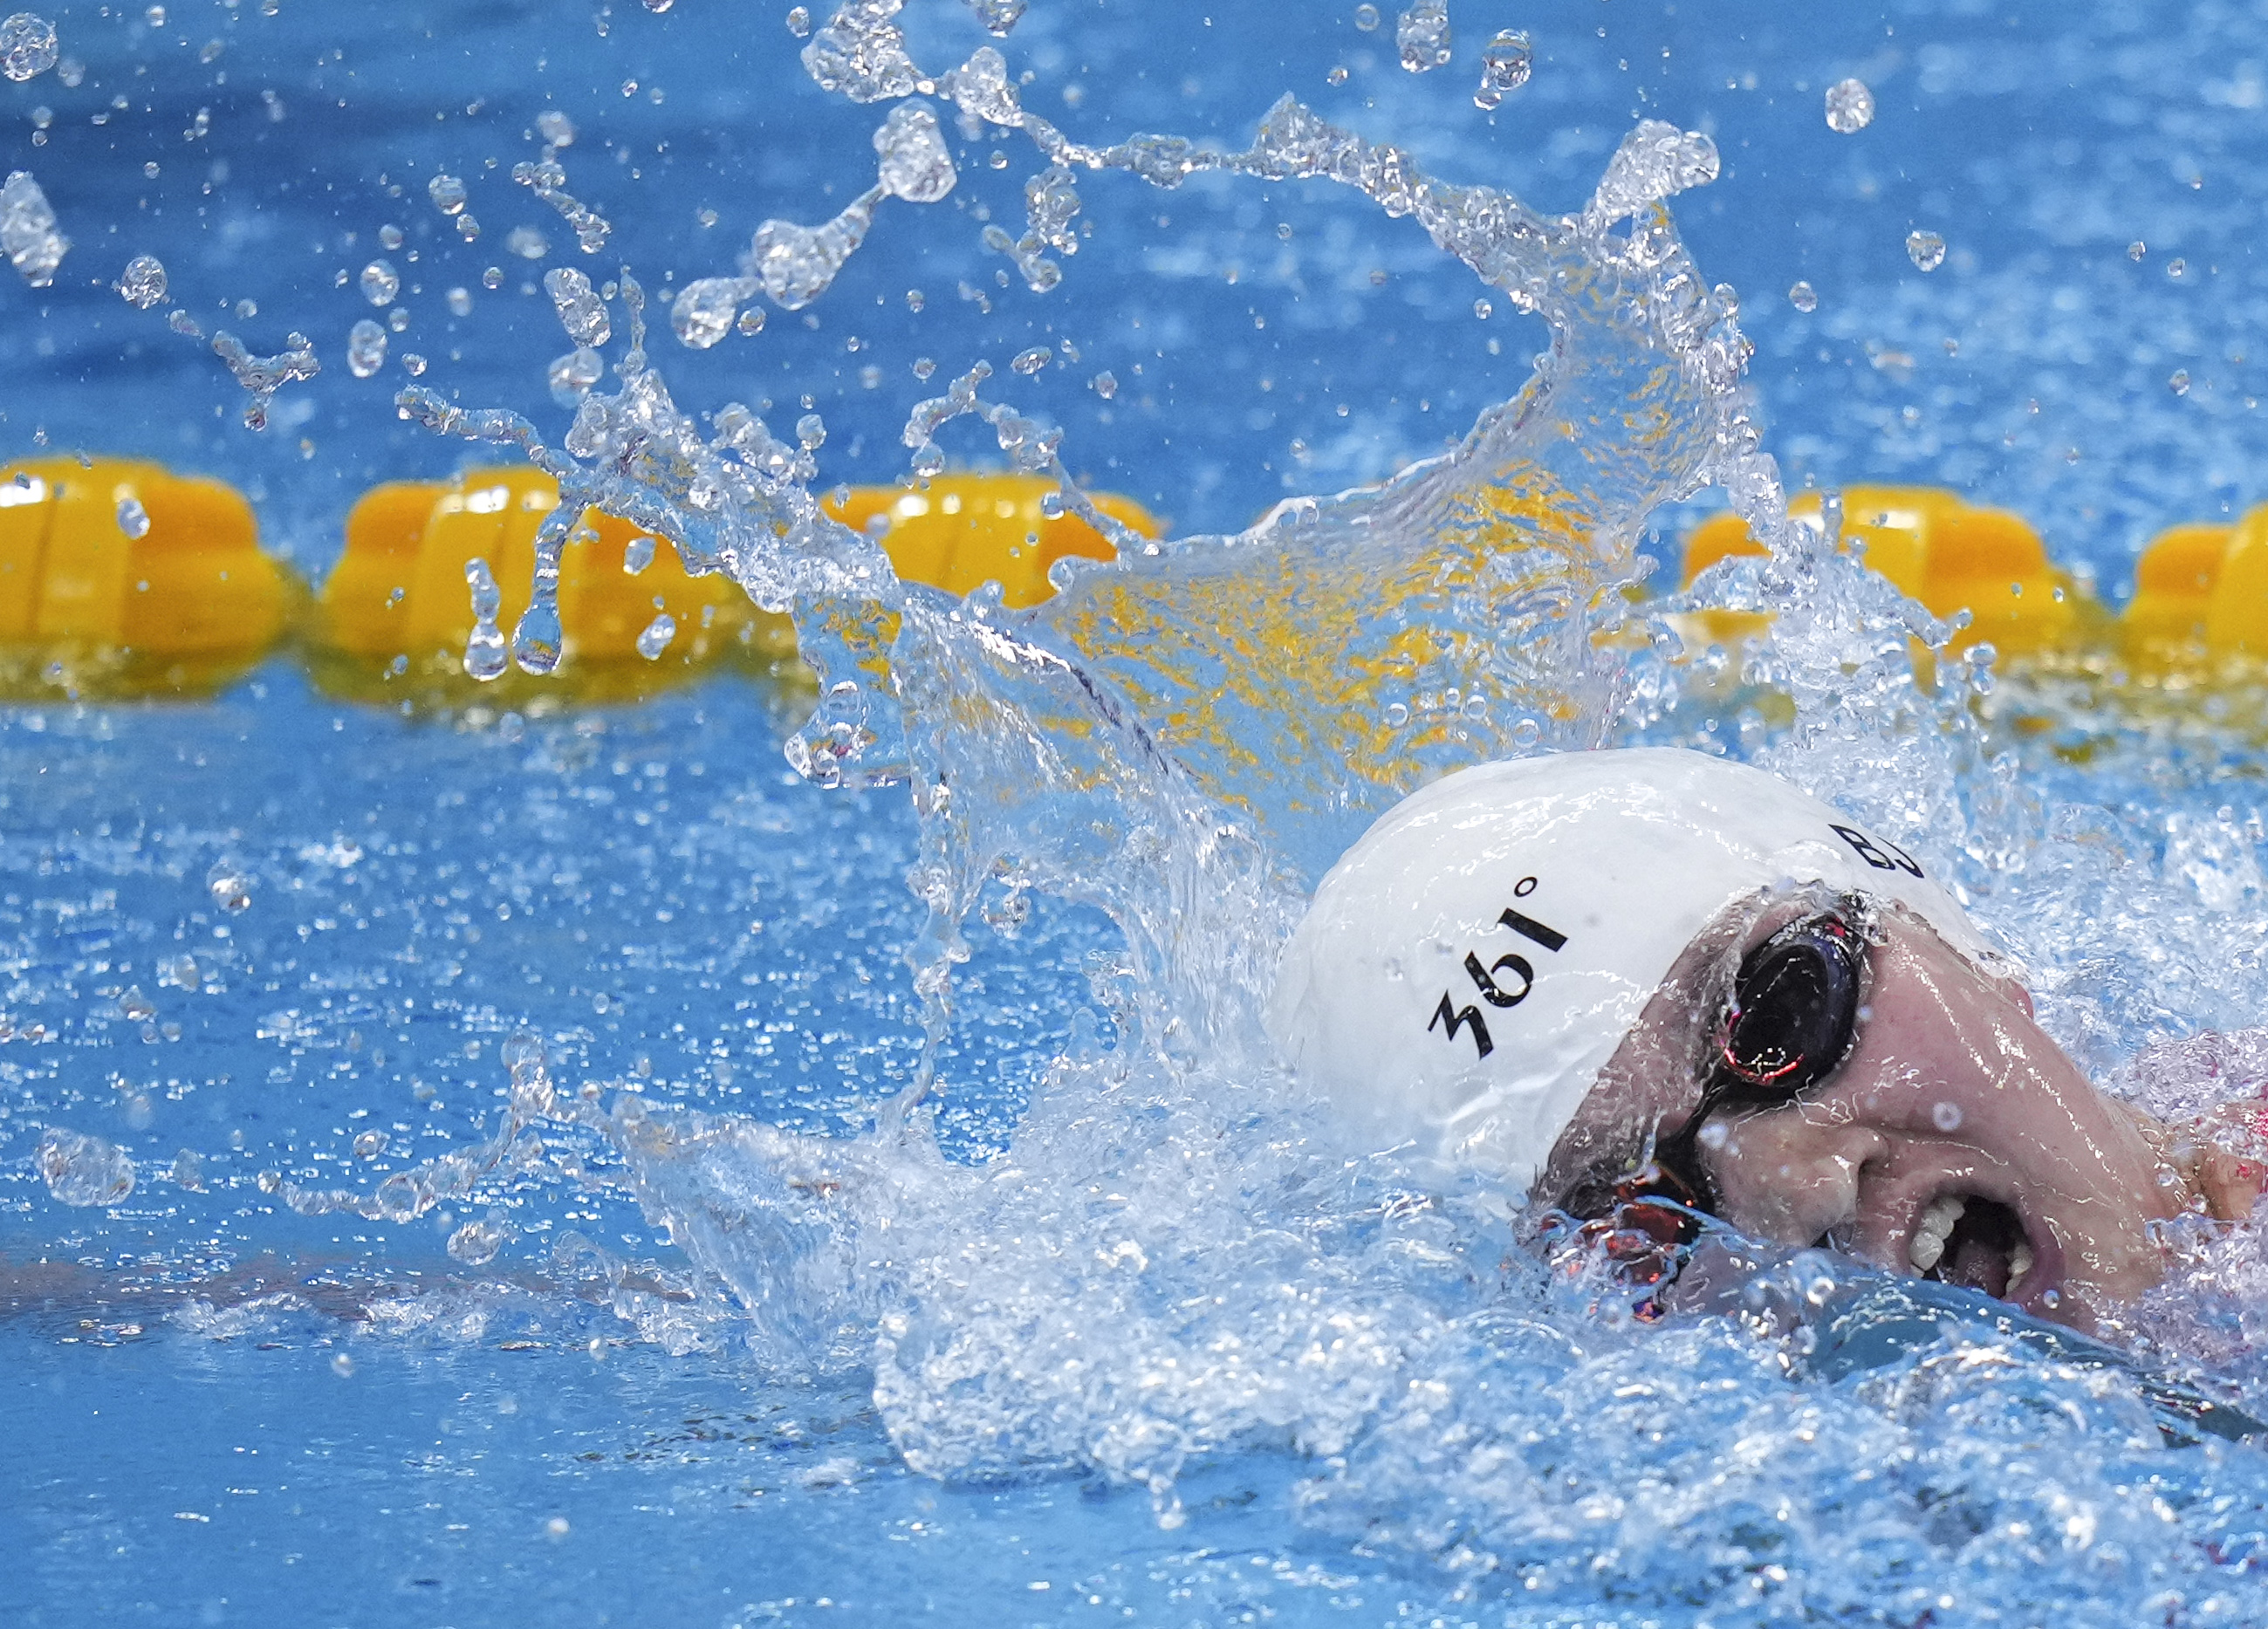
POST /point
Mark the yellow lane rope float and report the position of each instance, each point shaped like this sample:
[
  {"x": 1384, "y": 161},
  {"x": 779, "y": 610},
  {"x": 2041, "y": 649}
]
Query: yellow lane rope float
[
  {"x": 117, "y": 578},
  {"x": 961, "y": 531},
  {"x": 1938, "y": 548},
  {"x": 396, "y": 610},
  {"x": 120, "y": 578},
  {"x": 2203, "y": 591}
]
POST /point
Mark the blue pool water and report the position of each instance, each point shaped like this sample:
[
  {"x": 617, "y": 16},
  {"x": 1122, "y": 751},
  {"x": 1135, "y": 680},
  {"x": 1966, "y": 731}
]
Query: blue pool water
[{"x": 1097, "y": 1335}]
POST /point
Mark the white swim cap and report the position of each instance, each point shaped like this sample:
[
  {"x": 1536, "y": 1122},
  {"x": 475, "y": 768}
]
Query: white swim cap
[{"x": 1469, "y": 965}]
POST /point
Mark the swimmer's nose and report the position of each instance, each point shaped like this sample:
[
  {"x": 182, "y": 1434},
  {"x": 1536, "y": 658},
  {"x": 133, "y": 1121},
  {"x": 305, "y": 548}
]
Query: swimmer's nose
[{"x": 1791, "y": 1179}]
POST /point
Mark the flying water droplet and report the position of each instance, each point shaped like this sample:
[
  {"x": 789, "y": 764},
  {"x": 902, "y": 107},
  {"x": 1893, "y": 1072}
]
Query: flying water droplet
[
  {"x": 27, "y": 229},
  {"x": 555, "y": 128},
  {"x": 581, "y": 312},
  {"x": 1925, "y": 250},
  {"x": 132, "y": 520},
  {"x": 1422, "y": 36},
  {"x": 1849, "y": 106},
  {"x": 1366, "y": 17},
  {"x": 262, "y": 377},
  {"x": 656, "y": 638},
  {"x": 527, "y": 243},
  {"x": 484, "y": 651},
  {"x": 1505, "y": 62},
  {"x": 447, "y": 193},
  {"x": 2179, "y": 384},
  {"x": 702, "y": 311},
  {"x": 538, "y": 641},
  {"x": 810, "y": 432},
  {"x": 366, "y": 348},
  {"x": 637, "y": 554},
  {"x": 27, "y": 46},
  {"x": 980, "y": 88},
  {"x": 999, "y": 16},
  {"x": 799, "y": 22},
  {"x": 572, "y": 375},
  {"x": 1946, "y": 1116},
  {"x": 81, "y": 1169},
  {"x": 798, "y": 263},
  {"x": 477, "y": 1243},
  {"x": 229, "y": 885},
  {"x": 380, "y": 282},
  {"x": 916, "y": 164},
  {"x": 1803, "y": 296},
  {"x": 1030, "y": 362},
  {"x": 143, "y": 284},
  {"x": 1105, "y": 384}
]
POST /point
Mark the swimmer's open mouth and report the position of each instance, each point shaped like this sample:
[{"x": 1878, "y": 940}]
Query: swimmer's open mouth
[{"x": 1973, "y": 1241}]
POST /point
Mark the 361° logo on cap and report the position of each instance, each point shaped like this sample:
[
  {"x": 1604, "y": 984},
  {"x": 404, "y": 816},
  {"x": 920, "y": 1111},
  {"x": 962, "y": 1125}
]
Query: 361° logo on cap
[{"x": 1491, "y": 980}]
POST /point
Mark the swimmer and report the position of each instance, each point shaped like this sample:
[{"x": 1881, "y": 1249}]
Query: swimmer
[{"x": 1649, "y": 981}]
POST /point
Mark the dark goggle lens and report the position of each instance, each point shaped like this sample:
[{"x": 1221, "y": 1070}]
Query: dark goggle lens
[{"x": 1795, "y": 1008}]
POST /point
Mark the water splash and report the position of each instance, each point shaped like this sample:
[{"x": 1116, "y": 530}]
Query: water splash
[{"x": 1182, "y": 739}]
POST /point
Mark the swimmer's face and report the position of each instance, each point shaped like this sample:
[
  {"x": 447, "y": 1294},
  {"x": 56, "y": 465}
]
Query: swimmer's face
[{"x": 1955, "y": 1142}]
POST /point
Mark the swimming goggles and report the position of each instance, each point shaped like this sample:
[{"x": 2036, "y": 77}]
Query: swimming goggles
[{"x": 1790, "y": 1022}]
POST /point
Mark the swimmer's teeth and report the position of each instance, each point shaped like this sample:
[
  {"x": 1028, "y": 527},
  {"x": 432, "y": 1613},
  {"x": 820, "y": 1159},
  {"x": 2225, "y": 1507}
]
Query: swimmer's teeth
[
  {"x": 1936, "y": 1227},
  {"x": 2019, "y": 1262}
]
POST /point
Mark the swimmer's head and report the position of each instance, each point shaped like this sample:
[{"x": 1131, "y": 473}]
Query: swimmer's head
[
  {"x": 1469, "y": 966},
  {"x": 1547, "y": 970}
]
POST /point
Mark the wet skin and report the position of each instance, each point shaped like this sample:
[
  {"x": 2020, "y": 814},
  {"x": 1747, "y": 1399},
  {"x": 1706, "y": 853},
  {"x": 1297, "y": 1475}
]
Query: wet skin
[{"x": 1952, "y": 1100}]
